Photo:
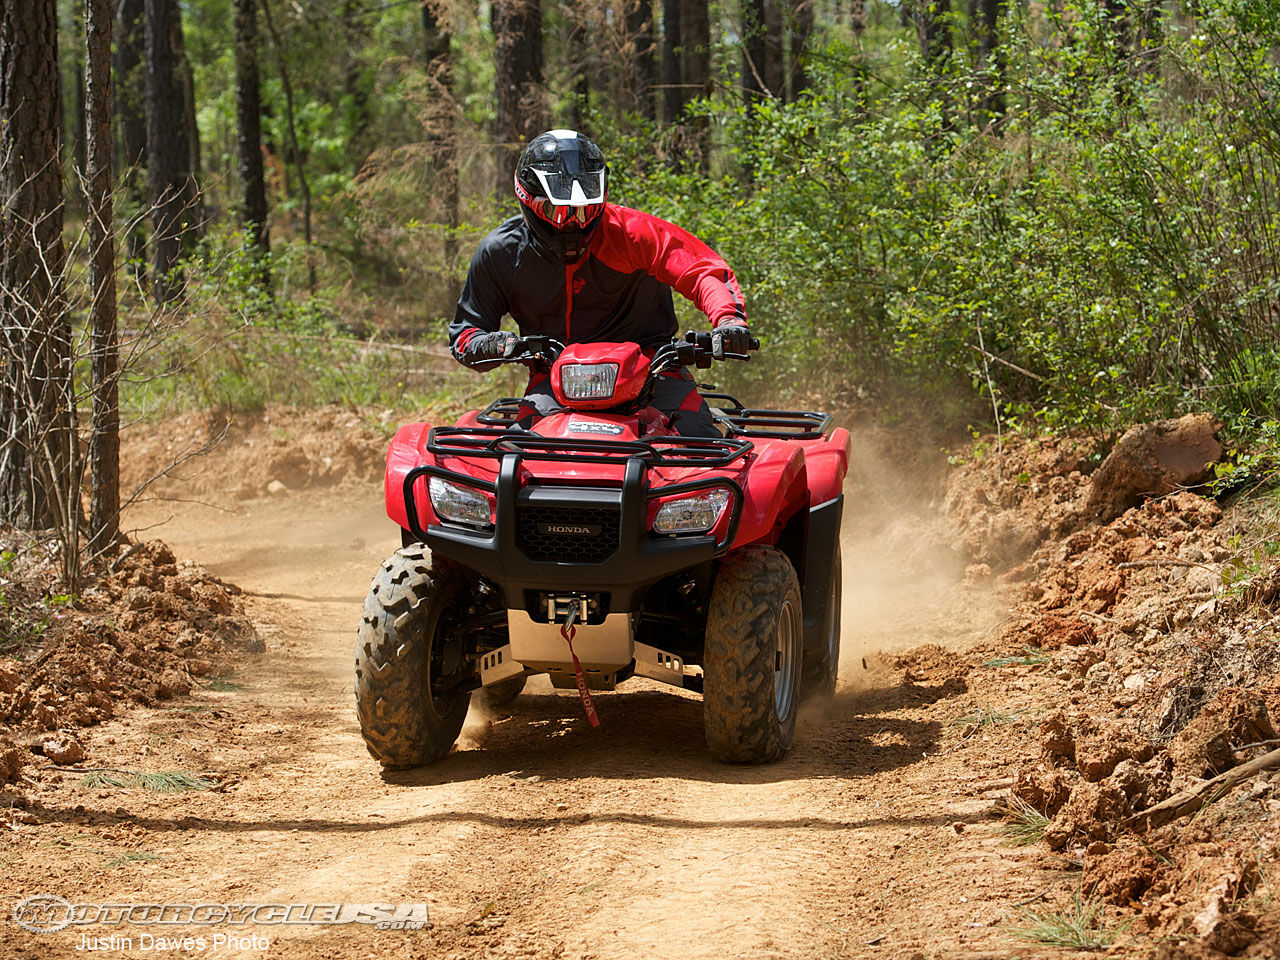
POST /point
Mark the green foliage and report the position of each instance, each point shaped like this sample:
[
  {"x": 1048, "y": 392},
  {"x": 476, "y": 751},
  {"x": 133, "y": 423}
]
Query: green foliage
[
  {"x": 1110, "y": 238},
  {"x": 1085, "y": 225},
  {"x": 239, "y": 344},
  {"x": 1254, "y": 455},
  {"x": 24, "y": 624}
]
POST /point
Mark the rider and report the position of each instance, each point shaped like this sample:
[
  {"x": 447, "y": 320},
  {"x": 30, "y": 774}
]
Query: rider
[{"x": 580, "y": 269}]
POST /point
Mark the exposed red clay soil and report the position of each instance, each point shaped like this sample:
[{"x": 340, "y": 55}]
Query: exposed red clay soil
[
  {"x": 1160, "y": 647},
  {"x": 1001, "y": 645},
  {"x": 144, "y": 633}
]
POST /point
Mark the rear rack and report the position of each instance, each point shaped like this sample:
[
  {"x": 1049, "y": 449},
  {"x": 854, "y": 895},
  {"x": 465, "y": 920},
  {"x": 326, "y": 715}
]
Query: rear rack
[
  {"x": 494, "y": 443},
  {"x": 770, "y": 424}
]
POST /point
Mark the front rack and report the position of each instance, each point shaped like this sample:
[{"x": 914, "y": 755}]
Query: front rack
[
  {"x": 494, "y": 443},
  {"x": 501, "y": 413}
]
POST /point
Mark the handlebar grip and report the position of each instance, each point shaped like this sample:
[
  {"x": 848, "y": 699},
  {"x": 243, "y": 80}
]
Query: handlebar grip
[{"x": 754, "y": 345}]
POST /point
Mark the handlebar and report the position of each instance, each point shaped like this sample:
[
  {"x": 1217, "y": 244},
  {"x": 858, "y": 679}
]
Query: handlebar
[{"x": 692, "y": 350}]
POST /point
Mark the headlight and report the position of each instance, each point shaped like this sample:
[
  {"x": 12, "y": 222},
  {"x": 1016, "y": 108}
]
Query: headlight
[
  {"x": 588, "y": 381},
  {"x": 459, "y": 504},
  {"x": 696, "y": 513}
]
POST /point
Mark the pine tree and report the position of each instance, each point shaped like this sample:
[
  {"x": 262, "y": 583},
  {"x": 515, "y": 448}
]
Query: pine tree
[
  {"x": 37, "y": 438},
  {"x": 104, "y": 438}
]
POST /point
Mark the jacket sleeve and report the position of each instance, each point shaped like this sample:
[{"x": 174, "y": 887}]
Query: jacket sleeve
[
  {"x": 483, "y": 303},
  {"x": 677, "y": 258}
]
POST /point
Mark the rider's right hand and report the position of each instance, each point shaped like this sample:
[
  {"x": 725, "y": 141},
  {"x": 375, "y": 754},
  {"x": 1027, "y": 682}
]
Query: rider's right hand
[
  {"x": 490, "y": 346},
  {"x": 732, "y": 338}
]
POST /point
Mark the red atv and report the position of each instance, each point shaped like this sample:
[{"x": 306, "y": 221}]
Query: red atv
[{"x": 599, "y": 545}]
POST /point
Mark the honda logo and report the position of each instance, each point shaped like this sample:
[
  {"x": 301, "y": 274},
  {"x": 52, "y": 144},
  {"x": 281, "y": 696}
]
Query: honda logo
[{"x": 570, "y": 529}]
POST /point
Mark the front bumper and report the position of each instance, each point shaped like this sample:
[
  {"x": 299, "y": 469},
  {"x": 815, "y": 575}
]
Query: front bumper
[{"x": 502, "y": 555}]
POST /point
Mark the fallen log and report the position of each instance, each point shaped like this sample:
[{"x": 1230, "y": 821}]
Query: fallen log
[{"x": 1189, "y": 801}]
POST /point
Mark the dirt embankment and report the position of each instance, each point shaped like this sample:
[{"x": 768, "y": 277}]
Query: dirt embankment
[
  {"x": 147, "y": 631},
  {"x": 269, "y": 453},
  {"x": 1153, "y": 621}
]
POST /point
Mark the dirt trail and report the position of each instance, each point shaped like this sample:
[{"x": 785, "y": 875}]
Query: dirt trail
[{"x": 542, "y": 837}]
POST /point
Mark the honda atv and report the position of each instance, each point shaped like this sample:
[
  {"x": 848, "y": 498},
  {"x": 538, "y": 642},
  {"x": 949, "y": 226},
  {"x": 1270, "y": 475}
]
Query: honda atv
[{"x": 597, "y": 545}]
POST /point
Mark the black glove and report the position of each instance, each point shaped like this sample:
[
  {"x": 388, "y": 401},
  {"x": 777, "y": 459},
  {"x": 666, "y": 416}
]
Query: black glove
[
  {"x": 489, "y": 346},
  {"x": 730, "y": 338}
]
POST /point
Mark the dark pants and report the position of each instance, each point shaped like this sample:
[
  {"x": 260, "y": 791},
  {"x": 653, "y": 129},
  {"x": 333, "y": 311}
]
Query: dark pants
[{"x": 676, "y": 396}]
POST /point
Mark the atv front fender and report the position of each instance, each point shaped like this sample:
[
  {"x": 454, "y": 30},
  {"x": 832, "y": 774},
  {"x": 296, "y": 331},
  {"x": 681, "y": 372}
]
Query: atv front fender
[
  {"x": 775, "y": 490},
  {"x": 408, "y": 450}
]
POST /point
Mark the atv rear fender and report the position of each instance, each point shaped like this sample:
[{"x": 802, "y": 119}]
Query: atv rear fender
[{"x": 804, "y": 522}]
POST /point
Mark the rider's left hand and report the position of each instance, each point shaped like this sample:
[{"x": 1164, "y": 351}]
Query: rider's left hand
[{"x": 730, "y": 338}]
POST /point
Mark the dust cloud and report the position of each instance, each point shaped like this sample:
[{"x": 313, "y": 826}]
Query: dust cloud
[
  {"x": 903, "y": 578},
  {"x": 478, "y": 724}
]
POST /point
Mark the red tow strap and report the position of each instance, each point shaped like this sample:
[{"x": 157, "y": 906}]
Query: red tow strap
[{"x": 568, "y": 631}]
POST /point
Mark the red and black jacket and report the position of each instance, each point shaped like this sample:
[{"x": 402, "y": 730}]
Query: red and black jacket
[{"x": 618, "y": 292}]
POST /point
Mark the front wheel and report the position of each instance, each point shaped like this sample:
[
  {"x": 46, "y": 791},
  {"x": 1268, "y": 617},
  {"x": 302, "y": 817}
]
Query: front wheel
[
  {"x": 752, "y": 660},
  {"x": 404, "y": 653}
]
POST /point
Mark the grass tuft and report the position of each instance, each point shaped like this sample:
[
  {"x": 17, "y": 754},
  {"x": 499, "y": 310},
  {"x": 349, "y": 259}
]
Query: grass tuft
[
  {"x": 1026, "y": 824},
  {"x": 223, "y": 685},
  {"x": 1079, "y": 926},
  {"x": 134, "y": 856},
  {"x": 1032, "y": 657},
  {"x": 170, "y": 781},
  {"x": 985, "y": 718}
]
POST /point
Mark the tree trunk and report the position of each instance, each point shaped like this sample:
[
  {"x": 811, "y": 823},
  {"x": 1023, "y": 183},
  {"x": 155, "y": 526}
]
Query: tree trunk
[
  {"x": 78, "y": 123},
  {"x": 991, "y": 55},
  {"x": 858, "y": 17},
  {"x": 439, "y": 59},
  {"x": 673, "y": 98},
  {"x": 295, "y": 152},
  {"x": 695, "y": 32},
  {"x": 753, "y": 47},
  {"x": 168, "y": 150},
  {"x": 131, "y": 118},
  {"x": 104, "y": 439},
  {"x": 186, "y": 76},
  {"x": 522, "y": 112},
  {"x": 579, "y": 14},
  {"x": 37, "y": 438},
  {"x": 354, "y": 36},
  {"x": 640, "y": 37},
  {"x": 801, "y": 23},
  {"x": 933, "y": 30},
  {"x": 253, "y": 211}
]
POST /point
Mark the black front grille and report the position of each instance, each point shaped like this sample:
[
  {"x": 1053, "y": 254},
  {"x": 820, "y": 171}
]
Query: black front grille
[{"x": 569, "y": 533}]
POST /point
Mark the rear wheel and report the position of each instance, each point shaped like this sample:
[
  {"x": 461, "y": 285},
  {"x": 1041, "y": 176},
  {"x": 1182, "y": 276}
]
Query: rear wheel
[
  {"x": 822, "y": 666},
  {"x": 752, "y": 660},
  {"x": 403, "y": 654}
]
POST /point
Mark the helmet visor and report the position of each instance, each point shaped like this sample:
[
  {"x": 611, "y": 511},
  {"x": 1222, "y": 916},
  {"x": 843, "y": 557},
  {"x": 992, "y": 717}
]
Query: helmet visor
[{"x": 572, "y": 189}]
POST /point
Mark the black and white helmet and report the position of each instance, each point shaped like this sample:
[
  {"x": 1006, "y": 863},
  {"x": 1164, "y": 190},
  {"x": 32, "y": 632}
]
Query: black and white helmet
[{"x": 562, "y": 183}]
